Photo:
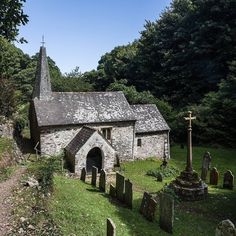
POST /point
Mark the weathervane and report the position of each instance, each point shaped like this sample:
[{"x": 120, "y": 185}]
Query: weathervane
[{"x": 43, "y": 42}]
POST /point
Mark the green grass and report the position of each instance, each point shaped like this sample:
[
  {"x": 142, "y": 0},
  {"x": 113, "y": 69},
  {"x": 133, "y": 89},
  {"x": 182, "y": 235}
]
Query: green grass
[
  {"x": 5, "y": 146},
  {"x": 79, "y": 209}
]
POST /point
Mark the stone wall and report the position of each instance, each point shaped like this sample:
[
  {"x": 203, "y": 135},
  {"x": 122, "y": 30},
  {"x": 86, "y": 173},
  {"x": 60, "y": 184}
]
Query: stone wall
[
  {"x": 122, "y": 138},
  {"x": 53, "y": 140},
  {"x": 152, "y": 145},
  {"x": 108, "y": 153},
  {"x": 6, "y": 128}
]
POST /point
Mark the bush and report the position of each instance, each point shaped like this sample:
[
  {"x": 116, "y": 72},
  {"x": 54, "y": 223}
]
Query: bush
[
  {"x": 161, "y": 172},
  {"x": 44, "y": 170}
]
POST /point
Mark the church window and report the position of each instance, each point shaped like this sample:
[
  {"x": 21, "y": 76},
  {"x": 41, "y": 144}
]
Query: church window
[
  {"x": 106, "y": 132},
  {"x": 139, "y": 142}
]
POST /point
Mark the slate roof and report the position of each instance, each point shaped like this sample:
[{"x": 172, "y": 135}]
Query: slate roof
[
  {"x": 82, "y": 108},
  {"x": 80, "y": 139},
  {"x": 149, "y": 119}
]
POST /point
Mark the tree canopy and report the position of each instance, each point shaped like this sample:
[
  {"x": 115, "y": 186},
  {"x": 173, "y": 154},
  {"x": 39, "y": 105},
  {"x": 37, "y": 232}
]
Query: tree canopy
[{"x": 11, "y": 17}]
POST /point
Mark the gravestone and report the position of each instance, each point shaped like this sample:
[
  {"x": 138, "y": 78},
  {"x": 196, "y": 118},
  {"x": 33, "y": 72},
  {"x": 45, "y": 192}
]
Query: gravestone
[
  {"x": 129, "y": 193},
  {"x": 120, "y": 187},
  {"x": 151, "y": 209},
  {"x": 111, "y": 228},
  {"x": 102, "y": 181},
  {"x": 206, "y": 163},
  {"x": 214, "y": 176},
  {"x": 148, "y": 207},
  {"x": 144, "y": 203},
  {"x": 83, "y": 174},
  {"x": 94, "y": 175},
  {"x": 112, "y": 191},
  {"x": 228, "y": 180},
  {"x": 225, "y": 228},
  {"x": 166, "y": 212}
]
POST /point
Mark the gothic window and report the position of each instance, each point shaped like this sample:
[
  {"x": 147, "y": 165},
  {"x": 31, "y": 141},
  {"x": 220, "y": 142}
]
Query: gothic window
[
  {"x": 139, "y": 142},
  {"x": 106, "y": 132}
]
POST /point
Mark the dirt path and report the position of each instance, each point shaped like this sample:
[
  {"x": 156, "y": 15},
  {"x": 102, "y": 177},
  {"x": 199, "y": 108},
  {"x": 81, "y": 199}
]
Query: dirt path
[{"x": 6, "y": 188}]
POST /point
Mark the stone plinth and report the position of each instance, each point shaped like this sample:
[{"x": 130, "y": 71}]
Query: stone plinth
[{"x": 189, "y": 187}]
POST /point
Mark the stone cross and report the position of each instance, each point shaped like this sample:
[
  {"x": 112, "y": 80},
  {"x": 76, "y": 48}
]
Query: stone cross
[{"x": 189, "y": 167}]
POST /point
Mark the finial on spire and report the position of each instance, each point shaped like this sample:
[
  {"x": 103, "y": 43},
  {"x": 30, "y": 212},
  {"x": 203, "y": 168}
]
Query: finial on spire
[{"x": 43, "y": 42}]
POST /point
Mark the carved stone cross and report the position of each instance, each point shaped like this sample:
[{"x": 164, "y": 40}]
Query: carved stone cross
[{"x": 189, "y": 167}]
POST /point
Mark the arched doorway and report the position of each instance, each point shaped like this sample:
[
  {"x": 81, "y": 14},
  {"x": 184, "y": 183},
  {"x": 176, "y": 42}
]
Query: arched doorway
[{"x": 94, "y": 158}]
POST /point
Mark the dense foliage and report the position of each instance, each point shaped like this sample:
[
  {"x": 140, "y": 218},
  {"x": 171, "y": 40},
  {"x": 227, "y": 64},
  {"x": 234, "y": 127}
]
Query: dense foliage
[
  {"x": 184, "y": 60},
  {"x": 11, "y": 17}
]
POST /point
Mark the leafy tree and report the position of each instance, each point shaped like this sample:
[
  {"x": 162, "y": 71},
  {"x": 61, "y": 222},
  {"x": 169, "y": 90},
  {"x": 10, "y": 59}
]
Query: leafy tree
[
  {"x": 145, "y": 97},
  {"x": 7, "y": 97},
  {"x": 117, "y": 64},
  {"x": 185, "y": 54},
  {"x": 72, "y": 82},
  {"x": 11, "y": 17}
]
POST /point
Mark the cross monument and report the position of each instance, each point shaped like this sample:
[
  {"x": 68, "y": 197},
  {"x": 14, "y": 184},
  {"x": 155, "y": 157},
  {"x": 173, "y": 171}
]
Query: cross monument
[{"x": 189, "y": 167}]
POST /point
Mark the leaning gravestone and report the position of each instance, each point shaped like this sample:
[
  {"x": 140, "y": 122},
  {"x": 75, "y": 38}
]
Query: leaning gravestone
[
  {"x": 225, "y": 228},
  {"x": 111, "y": 228},
  {"x": 144, "y": 203},
  {"x": 102, "y": 181},
  {"x": 148, "y": 207},
  {"x": 214, "y": 176},
  {"x": 94, "y": 175},
  {"x": 112, "y": 191},
  {"x": 128, "y": 193},
  {"x": 166, "y": 212},
  {"x": 206, "y": 163},
  {"x": 83, "y": 174},
  {"x": 151, "y": 209},
  {"x": 228, "y": 180},
  {"x": 120, "y": 187}
]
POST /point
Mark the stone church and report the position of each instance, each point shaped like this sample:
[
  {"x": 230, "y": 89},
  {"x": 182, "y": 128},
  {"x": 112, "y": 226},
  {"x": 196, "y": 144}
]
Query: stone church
[{"x": 93, "y": 128}]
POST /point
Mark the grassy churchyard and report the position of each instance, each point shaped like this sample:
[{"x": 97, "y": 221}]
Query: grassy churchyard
[{"x": 77, "y": 208}]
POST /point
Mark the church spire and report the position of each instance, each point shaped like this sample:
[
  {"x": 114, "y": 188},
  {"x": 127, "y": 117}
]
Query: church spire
[{"x": 42, "y": 87}]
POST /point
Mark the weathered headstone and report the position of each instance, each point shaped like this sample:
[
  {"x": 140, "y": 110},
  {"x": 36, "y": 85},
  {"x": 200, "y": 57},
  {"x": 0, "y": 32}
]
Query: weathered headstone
[
  {"x": 112, "y": 191},
  {"x": 166, "y": 212},
  {"x": 214, "y": 176},
  {"x": 148, "y": 207},
  {"x": 102, "y": 181},
  {"x": 94, "y": 175},
  {"x": 228, "y": 180},
  {"x": 225, "y": 228},
  {"x": 111, "y": 228},
  {"x": 151, "y": 209},
  {"x": 129, "y": 193},
  {"x": 206, "y": 163},
  {"x": 83, "y": 174},
  {"x": 120, "y": 187},
  {"x": 144, "y": 203}
]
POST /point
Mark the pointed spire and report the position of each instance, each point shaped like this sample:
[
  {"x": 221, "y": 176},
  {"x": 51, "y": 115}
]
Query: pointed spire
[{"x": 42, "y": 87}]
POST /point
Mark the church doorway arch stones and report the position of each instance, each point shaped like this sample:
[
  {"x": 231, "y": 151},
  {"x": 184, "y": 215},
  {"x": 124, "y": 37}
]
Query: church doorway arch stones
[{"x": 95, "y": 157}]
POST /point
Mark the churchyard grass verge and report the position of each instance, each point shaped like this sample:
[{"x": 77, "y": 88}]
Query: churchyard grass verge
[{"x": 80, "y": 209}]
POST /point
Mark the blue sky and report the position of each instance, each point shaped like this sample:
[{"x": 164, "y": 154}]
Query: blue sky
[{"x": 79, "y": 32}]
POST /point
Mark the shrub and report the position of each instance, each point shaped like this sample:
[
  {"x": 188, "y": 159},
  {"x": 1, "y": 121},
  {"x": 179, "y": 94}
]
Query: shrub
[{"x": 161, "y": 172}]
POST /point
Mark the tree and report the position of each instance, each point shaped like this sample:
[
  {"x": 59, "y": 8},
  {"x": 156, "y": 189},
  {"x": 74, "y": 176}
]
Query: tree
[
  {"x": 11, "y": 17},
  {"x": 7, "y": 97}
]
